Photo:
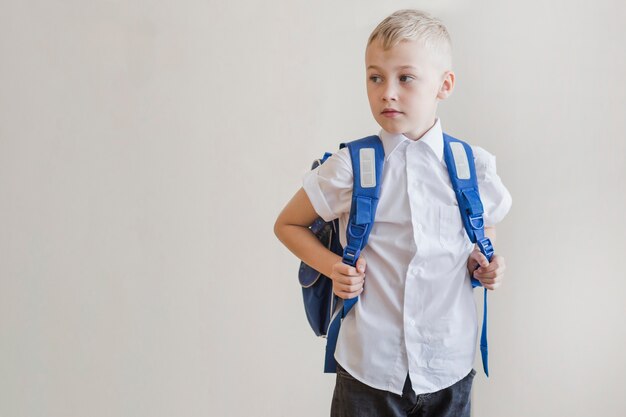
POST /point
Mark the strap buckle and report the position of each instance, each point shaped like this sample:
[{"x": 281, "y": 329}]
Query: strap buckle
[
  {"x": 477, "y": 222},
  {"x": 356, "y": 231},
  {"x": 350, "y": 255},
  {"x": 485, "y": 247}
]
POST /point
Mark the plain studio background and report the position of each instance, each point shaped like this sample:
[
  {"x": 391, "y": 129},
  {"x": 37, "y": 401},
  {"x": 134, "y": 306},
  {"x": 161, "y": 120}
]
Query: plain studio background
[{"x": 146, "y": 148}]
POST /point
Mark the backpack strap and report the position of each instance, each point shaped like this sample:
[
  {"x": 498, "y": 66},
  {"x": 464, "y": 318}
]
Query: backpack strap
[
  {"x": 460, "y": 162},
  {"x": 368, "y": 157}
]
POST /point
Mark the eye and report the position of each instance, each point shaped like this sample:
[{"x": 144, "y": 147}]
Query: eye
[
  {"x": 406, "y": 78},
  {"x": 375, "y": 79}
]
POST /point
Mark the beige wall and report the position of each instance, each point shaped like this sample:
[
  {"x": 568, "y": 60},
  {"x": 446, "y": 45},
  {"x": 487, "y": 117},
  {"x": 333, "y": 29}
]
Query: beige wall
[{"x": 146, "y": 148}]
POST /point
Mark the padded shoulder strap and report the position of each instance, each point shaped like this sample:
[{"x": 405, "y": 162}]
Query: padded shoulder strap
[
  {"x": 460, "y": 162},
  {"x": 368, "y": 156}
]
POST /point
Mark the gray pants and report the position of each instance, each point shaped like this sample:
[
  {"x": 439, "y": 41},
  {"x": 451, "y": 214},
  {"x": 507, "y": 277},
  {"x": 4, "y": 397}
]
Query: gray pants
[{"x": 352, "y": 398}]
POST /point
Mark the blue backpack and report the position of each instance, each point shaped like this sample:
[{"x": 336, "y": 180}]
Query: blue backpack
[{"x": 324, "y": 310}]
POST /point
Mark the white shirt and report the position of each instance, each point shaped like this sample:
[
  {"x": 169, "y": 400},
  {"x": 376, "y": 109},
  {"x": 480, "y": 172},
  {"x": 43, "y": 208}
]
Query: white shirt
[{"x": 416, "y": 314}]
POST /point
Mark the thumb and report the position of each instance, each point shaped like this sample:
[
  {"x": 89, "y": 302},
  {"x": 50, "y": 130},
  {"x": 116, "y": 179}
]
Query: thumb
[
  {"x": 482, "y": 260},
  {"x": 360, "y": 264}
]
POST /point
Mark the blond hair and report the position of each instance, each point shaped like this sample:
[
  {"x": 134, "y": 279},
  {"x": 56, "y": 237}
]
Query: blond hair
[{"x": 414, "y": 25}]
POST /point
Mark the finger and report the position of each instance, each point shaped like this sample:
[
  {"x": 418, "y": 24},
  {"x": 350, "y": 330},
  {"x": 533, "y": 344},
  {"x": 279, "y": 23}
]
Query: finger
[
  {"x": 349, "y": 288},
  {"x": 482, "y": 260},
  {"x": 348, "y": 295},
  {"x": 480, "y": 274},
  {"x": 492, "y": 286},
  {"x": 361, "y": 264},
  {"x": 489, "y": 273},
  {"x": 490, "y": 281},
  {"x": 472, "y": 261},
  {"x": 499, "y": 260},
  {"x": 495, "y": 265},
  {"x": 478, "y": 260},
  {"x": 495, "y": 280},
  {"x": 488, "y": 284},
  {"x": 349, "y": 282},
  {"x": 349, "y": 279},
  {"x": 345, "y": 269}
]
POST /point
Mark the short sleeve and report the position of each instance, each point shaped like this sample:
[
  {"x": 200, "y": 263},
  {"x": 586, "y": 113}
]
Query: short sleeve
[
  {"x": 329, "y": 186},
  {"x": 494, "y": 195}
]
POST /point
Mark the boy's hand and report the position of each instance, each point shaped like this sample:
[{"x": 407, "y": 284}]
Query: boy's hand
[
  {"x": 489, "y": 274},
  {"x": 348, "y": 280}
]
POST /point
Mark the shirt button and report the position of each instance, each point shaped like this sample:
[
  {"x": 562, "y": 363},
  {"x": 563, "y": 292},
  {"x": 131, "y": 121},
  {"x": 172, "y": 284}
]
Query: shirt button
[{"x": 412, "y": 322}]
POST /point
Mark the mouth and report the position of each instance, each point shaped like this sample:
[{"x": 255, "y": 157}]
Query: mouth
[{"x": 390, "y": 113}]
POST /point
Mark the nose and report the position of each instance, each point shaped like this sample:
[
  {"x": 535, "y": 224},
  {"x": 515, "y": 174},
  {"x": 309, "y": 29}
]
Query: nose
[{"x": 390, "y": 92}]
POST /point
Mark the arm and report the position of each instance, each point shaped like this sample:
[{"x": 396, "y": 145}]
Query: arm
[
  {"x": 292, "y": 229},
  {"x": 496, "y": 202}
]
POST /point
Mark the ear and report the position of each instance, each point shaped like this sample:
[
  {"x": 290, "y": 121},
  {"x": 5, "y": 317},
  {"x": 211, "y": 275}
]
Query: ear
[{"x": 447, "y": 86}]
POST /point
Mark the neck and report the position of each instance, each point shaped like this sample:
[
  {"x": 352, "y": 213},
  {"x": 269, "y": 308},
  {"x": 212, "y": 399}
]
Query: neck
[{"x": 419, "y": 132}]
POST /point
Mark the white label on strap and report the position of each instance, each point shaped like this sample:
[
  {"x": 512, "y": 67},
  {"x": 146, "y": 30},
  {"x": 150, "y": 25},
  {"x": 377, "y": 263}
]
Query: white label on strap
[
  {"x": 367, "y": 156},
  {"x": 460, "y": 160}
]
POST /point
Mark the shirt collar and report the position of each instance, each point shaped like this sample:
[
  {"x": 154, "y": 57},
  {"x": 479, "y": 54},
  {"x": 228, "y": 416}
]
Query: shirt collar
[{"x": 433, "y": 138}]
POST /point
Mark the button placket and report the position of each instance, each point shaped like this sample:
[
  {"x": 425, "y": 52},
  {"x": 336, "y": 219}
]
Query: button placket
[
  {"x": 411, "y": 329},
  {"x": 412, "y": 183}
]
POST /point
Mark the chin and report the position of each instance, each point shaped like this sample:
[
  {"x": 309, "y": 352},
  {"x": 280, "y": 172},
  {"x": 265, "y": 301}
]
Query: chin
[
  {"x": 392, "y": 129},
  {"x": 389, "y": 127}
]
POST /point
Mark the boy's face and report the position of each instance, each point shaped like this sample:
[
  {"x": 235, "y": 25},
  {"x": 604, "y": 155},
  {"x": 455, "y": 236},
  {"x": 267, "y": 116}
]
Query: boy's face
[{"x": 404, "y": 86}]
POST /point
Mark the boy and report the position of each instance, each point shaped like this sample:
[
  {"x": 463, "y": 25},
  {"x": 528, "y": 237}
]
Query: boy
[{"x": 408, "y": 346}]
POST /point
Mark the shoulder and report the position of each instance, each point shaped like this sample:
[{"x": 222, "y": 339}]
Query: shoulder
[
  {"x": 329, "y": 186},
  {"x": 341, "y": 161},
  {"x": 484, "y": 161},
  {"x": 338, "y": 161},
  {"x": 482, "y": 156},
  {"x": 336, "y": 170}
]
